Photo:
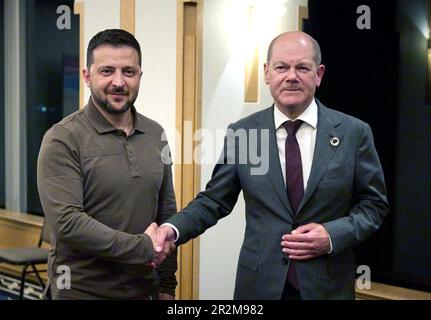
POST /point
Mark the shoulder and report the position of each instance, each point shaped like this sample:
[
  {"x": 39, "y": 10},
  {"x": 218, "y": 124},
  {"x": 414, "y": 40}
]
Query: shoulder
[
  {"x": 254, "y": 119},
  {"x": 64, "y": 129},
  {"x": 341, "y": 118},
  {"x": 149, "y": 124},
  {"x": 151, "y": 129}
]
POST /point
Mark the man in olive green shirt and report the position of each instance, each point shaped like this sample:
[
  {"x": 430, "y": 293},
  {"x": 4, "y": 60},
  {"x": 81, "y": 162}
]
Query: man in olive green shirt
[{"x": 104, "y": 180}]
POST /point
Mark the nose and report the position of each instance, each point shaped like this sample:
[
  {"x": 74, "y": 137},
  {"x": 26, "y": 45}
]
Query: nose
[
  {"x": 291, "y": 75},
  {"x": 117, "y": 80}
]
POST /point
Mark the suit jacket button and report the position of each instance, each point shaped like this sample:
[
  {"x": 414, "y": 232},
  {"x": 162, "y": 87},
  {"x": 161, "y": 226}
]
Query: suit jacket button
[{"x": 285, "y": 260}]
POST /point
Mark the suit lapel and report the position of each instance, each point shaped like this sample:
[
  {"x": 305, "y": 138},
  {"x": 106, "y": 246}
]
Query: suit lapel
[
  {"x": 324, "y": 150},
  {"x": 275, "y": 173}
]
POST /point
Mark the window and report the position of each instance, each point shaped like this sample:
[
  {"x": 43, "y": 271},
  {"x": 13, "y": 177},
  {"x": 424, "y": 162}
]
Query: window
[
  {"x": 2, "y": 120},
  {"x": 52, "y": 80}
]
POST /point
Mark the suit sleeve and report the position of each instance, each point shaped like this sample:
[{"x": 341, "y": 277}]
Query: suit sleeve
[
  {"x": 60, "y": 185},
  {"x": 217, "y": 200},
  {"x": 167, "y": 208},
  {"x": 370, "y": 204}
]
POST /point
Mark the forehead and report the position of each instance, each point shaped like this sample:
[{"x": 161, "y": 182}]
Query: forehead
[
  {"x": 292, "y": 49},
  {"x": 107, "y": 54}
]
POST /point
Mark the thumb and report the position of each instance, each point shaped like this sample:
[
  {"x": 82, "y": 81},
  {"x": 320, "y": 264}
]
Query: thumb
[{"x": 160, "y": 239}]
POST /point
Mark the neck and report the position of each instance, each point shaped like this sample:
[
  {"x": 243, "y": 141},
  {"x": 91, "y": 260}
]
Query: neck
[{"x": 123, "y": 121}]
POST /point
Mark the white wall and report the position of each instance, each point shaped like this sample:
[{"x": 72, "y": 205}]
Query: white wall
[
  {"x": 224, "y": 36},
  {"x": 98, "y": 15},
  {"x": 155, "y": 29}
]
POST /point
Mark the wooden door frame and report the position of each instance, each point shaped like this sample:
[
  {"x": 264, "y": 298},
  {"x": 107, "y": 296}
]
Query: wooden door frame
[{"x": 188, "y": 266}]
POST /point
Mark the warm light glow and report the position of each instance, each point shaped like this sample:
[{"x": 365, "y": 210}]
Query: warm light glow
[
  {"x": 264, "y": 21},
  {"x": 251, "y": 84}
]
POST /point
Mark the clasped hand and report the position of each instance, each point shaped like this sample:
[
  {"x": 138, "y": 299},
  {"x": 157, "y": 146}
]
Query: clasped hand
[
  {"x": 306, "y": 242},
  {"x": 163, "y": 242}
]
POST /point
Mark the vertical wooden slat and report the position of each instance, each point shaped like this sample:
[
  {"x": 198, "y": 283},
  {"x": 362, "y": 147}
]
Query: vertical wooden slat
[
  {"x": 198, "y": 124},
  {"x": 179, "y": 124},
  {"x": 302, "y": 14},
  {"x": 251, "y": 75},
  {"x": 188, "y": 116},
  {"x": 79, "y": 9},
  {"x": 127, "y": 15}
]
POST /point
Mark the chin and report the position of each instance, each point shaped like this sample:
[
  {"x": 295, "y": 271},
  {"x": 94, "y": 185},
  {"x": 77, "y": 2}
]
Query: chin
[
  {"x": 116, "y": 108},
  {"x": 292, "y": 103}
]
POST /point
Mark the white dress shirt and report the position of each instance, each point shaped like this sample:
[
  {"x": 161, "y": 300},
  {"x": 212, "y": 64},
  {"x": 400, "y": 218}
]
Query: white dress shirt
[{"x": 306, "y": 136}]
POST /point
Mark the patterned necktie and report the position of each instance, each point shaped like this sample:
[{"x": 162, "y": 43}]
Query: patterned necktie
[{"x": 294, "y": 180}]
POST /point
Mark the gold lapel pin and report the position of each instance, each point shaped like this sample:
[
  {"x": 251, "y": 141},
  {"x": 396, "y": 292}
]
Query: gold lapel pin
[{"x": 334, "y": 141}]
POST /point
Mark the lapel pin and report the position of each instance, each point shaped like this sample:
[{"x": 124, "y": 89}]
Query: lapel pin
[{"x": 334, "y": 141}]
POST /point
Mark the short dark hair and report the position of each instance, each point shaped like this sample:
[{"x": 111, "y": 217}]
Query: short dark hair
[
  {"x": 317, "y": 53},
  {"x": 115, "y": 38}
]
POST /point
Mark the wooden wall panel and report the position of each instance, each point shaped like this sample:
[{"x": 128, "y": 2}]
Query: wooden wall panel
[
  {"x": 127, "y": 15},
  {"x": 188, "y": 115}
]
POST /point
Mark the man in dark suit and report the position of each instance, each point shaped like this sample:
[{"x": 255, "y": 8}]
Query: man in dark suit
[{"x": 323, "y": 192}]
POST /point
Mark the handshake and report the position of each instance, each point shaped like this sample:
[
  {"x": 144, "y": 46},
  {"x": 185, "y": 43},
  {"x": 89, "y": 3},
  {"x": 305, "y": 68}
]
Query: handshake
[{"x": 163, "y": 238}]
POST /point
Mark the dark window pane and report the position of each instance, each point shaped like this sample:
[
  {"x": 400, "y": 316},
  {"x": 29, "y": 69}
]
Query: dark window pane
[
  {"x": 52, "y": 79},
  {"x": 2, "y": 133}
]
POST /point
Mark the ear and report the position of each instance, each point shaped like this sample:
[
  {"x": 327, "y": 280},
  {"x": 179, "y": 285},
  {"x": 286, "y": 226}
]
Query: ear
[
  {"x": 319, "y": 74},
  {"x": 265, "y": 71},
  {"x": 86, "y": 76}
]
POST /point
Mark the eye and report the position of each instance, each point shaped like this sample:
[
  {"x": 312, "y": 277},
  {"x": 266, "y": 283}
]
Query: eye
[
  {"x": 280, "y": 68},
  {"x": 130, "y": 72},
  {"x": 105, "y": 72},
  {"x": 304, "y": 69}
]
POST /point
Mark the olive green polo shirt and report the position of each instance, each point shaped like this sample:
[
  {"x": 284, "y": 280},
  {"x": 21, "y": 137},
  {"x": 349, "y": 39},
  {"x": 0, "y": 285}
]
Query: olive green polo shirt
[{"x": 100, "y": 190}]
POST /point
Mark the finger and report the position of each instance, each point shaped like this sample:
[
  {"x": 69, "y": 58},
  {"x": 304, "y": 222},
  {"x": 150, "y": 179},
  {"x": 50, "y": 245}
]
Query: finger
[
  {"x": 160, "y": 258},
  {"x": 172, "y": 246},
  {"x": 296, "y": 245},
  {"x": 304, "y": 237},
  {"x": 167, "y": 248},
  {"x": 295, "y": 252},
  {"x": 306, "y": 257},
  {"x": 304, "y": 228},
  {"x": 153, "y": 226}
]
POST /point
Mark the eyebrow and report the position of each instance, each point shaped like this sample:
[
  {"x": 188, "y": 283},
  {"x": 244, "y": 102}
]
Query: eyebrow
[
  {"x": 307, "y": 62},
  {"x": 122, "y": 68}
]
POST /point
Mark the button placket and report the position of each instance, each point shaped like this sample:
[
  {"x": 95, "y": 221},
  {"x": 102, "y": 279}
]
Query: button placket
[{"x": 133, "y": 167}]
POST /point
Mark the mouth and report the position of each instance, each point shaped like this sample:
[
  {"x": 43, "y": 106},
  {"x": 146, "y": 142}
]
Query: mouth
[
  {"x": 117, "y": 96},
  {"x": 117, "y": 93},
  {"x": 292, "y": 89}
]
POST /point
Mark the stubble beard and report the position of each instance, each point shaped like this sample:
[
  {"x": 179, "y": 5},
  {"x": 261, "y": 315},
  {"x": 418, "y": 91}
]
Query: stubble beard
[{"x": 108, "y": 107}]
